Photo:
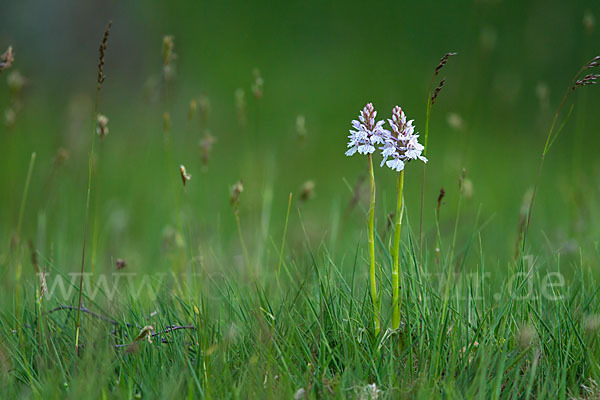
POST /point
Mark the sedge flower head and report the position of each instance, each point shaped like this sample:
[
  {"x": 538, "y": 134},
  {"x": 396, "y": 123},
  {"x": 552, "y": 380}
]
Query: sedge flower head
[
  {"x": 402, "y": 144},
  {"x": 366, "y": 132}
]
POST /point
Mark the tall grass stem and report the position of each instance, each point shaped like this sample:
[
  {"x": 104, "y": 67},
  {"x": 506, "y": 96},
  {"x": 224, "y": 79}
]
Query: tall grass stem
[
  {"x": 287, "y": 215},
  {"x": 99, "y": 82},
  {"x": 396, "y": 255}
]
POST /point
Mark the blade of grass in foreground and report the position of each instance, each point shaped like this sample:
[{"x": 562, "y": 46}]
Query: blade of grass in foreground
[{"x": 99, "y": 82}]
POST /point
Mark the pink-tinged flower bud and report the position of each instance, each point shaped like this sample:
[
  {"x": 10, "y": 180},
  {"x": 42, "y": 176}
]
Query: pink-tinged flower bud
[
  {"x": 366, "y": 132},
  {"x": 401, "y": 145}
]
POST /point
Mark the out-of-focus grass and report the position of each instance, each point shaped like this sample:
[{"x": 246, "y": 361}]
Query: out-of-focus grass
[{"x": 471, "y": 328}]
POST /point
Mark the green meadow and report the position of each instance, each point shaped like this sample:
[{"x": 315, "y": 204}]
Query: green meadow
[{"x": 178, "y": 218}]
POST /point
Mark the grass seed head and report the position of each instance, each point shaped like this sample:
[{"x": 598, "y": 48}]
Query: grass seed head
[
  {"x": 169, "y": 56},
  {"x": 145, "y": 333},
  {"x": 234, "y": 193},
  {"x": 43, "y": 286},
  {"x": 443, "y": 62},
  {"x": 258, "y": 84},
  {"x": 168, "y": 50},
  {"x": 6, "y": 59},
  {"x": 440, "y": 199},
  {"x": 437, "y": 91},
  {"x": 465, "y": 186},
  {"x": 307, "y": 191},
  {"x": 102, "y": 53},
  {"x": 102, "y": 126},
  {"x": 590, "y": 79},
  {"x": 120, "y": 263},
  {"x": 185, "y": 177}
]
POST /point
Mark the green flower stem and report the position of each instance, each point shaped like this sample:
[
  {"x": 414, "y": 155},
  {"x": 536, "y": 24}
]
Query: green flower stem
[
  {"x": 374, "y": 297},
  {"x": 396, "y": 256}
]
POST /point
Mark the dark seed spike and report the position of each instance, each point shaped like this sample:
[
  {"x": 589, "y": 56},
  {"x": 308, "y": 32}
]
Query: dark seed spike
[
  {"x": 443, "y": 62},
  {"x": 590, "y": 79},
  {"x": 437, "y": 91},
  {"x": 440, "y": 198},
  {"x": 594, "y": 62},
  {"x": 102, "y": 50}
]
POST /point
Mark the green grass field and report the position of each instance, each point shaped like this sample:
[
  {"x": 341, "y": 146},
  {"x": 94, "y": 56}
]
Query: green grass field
[{"x": 193, "y": 290}]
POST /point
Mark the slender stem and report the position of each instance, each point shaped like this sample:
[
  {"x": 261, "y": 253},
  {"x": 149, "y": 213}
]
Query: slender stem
[
  {"x": 374, "y": 297},
  {"x": 535, "y": 186},
  {"x": 456, "y": 223},
  {"x": 239, "y": 228},
  {"x": 19, "y": 253},
  {"x": 421, "y": 214},
  {"x": 85, "y": 228},
  {"x": 549, "y": 141},
  {"x": 396, "y": 256},
  {"x": 24, "y": 197},
  {"x": 96, "y": 218},
  {"x": 427, "y": 115},
  {"x": 86, "y": 220},
  {"x": 287, "y": 215}
]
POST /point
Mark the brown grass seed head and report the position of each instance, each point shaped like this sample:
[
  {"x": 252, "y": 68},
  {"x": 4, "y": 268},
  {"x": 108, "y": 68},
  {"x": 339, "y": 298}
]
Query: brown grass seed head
[
  {"x": 7, "y": 59},
  {"x": 437, "y": 91},
  {"x": 234, "y": 193},
  {"x": 102, "y": 126},
  {"x": 102, "y": 51},
  {"x": 185, "y": 177},
  {"x": 443, "y": 62}
]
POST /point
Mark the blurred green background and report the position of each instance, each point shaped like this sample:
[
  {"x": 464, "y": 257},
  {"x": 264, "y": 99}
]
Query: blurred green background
[{"x": 321, "y": 60}]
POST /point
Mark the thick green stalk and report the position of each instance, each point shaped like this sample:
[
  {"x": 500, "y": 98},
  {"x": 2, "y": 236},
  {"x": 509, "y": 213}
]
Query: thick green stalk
[
  {"x": 374, "y": 297},
  {"x": 396, "y": 256}
]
